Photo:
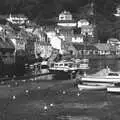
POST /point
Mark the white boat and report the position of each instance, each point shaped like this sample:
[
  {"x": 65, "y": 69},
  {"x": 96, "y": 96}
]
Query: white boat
[
  {"x": 99, "y": 84},
  {"x": 113, "y": 89},
  {"x": 67, "y": 66},
  {"x": 104, "y": 76},
  {"x": 91, "y": 87}
]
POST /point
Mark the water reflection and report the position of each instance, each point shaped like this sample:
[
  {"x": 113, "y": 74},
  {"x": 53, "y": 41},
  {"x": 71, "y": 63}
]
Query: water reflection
[{"x": 76, "y": 118}]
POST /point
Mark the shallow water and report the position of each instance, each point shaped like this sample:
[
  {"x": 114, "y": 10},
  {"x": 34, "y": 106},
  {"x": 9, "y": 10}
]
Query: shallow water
[
  {"x": 64, "y": 103},
  {"x": 61, "y": 102}
]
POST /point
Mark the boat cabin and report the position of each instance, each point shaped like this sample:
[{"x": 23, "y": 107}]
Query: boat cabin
[
  {"x": 64, "y": 66},
  {"x": 113, "y": 74}
]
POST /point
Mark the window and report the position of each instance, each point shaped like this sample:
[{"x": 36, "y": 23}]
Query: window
[
  {"x": 56, "y": 65},
  {"x": 66, "y": 64},
  {"x": 70, "y": 65},
  {"x": 113, "y": 74},
  {"x": 61, "y": 65}
]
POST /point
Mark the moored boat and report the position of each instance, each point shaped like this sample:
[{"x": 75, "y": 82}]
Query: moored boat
[
  {"x": 91, "y": 87},
  {"x": 113, "y": 89},
  {"x": 67, "y": 66},
  {"x": 103, "y": 76}
]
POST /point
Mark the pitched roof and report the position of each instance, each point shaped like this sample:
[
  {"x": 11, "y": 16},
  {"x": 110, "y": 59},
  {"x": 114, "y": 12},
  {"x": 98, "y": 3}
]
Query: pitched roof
[
  {"x": 82, "y": 47},
  {"x": 102, "y": 46}
]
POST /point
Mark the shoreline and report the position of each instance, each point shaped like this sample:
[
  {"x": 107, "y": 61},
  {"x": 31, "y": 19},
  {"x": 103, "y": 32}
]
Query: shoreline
[{"x": 17, "y": 87}]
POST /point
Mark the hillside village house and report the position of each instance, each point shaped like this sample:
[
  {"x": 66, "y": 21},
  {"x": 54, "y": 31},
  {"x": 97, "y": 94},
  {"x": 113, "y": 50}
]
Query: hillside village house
[
  {"x": 43, "y": 49},
  {"x": 66, "y": 24},
  {"x": 19, "y": 44},
  {"x": 117, "y": 14},
  {"x": 66, "y": 28},
  {"x": 7, "y": 59},
  {"x": 17, "y": 19},
  {"x": 42, "y": 45},
  {"x": 82, "y": 22},
  {"x": 113, "y": 41},
  {"x": 40, "y": 33},
  {"x": 78, "y": 38},
  {"x": 79, "y": 50},
  {"x": 55, "y": 40},
  {"x": 114, "y": 45},
  {"x": 87, "y": 29}
]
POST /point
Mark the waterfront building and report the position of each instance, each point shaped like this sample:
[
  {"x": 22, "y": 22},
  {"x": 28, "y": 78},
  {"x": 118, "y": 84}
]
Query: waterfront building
[
  {"x": 1, "y": 28},
  {"x": 55, "y": 40},
  {"x": 7, "y": 59},
  {"x": 80, "y": 50},
  {"x": 114, "y": 45},
  {"x": 113, "y": 41},
  {"x": 65, "y": 15},
  {"x": 103, "y": 48}
]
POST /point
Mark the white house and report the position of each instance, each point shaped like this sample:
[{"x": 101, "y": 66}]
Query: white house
[
  {"x": 78, "y": 39},
  {"x": 42, "y": 48},
  {"x": 82, "y": 22},
  {"x": 87, "y": 29},
  {"x": 113, "y": 41},
  {"x": 66, "y": 20},
  {"x": 1, "y": 28},
  {"x": 55, "y": 40},
  {"x": 117, "y": 14},
  {"x": 65, "y": 15},
  {"x": 17, "y": 19}
]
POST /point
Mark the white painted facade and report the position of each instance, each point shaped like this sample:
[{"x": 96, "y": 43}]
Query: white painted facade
[
  {"x": 66, "y": 20},
  {"x": 17, "y": 19},
  {"x": 65, "y": 15},
  {"x": 70, "y": 24},
  {"x": 87, "y": 29},
  {"x": 78, "y": 39},
  {"x": 55, "y": 40},
  {"x": 82, "y": 22},
  {"x": 117, "y": 14}
]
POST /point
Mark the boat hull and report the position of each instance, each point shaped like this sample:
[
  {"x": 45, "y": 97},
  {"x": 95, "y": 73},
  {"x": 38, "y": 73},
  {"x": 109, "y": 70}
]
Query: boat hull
[
  {"x": 113, "y": 90},
  {"x": 91, "y": 87},
  {"x": 99, "y": 84},
  {"x": 99, "y": 79},
  {"x": 58, "y": 74}
]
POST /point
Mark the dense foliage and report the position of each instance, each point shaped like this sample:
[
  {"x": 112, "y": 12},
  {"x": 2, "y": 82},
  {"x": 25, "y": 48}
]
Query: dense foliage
[{"x": 47, "y": 10}]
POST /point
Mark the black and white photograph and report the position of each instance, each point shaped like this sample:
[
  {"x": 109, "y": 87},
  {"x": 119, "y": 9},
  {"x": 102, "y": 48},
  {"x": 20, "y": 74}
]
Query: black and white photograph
[{"x": 59, "y": 59}]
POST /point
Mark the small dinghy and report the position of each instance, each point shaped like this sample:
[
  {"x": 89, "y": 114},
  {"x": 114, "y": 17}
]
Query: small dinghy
[
  {"x": 91, "y": 87},
  {"x": 113, "y": 89}
]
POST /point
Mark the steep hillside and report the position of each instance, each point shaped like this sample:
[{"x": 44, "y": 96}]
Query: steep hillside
[{"x": 45, "y": 11}]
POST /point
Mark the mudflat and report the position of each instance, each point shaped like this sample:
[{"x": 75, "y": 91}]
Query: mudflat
[{"x": 55, "y": 100}]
